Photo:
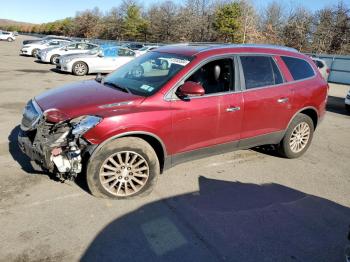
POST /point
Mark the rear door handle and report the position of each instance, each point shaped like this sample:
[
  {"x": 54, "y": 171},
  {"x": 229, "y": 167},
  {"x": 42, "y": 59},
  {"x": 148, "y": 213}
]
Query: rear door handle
[
  {"x": 283, "y": 100},
  {"x": 232, "y": 109}
]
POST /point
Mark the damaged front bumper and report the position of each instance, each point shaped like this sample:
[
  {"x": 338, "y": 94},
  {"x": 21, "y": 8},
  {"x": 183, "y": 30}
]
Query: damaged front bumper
[{"x": 57, "y": 147}]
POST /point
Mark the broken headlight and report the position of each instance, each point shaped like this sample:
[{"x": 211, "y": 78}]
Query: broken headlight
[{"x": 83, "y": 124}]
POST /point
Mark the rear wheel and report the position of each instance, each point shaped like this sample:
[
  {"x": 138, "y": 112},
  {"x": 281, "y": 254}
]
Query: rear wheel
[
  {"x": 35, "y": 52},
  {"x": 80, "y": 68},
  {"x": 53, "y": 59},
  {"x": 347, "y": 107},
  {"x": 124, "y": 168},
  {"x": 9, "y": 39},
  {"x": 298, "y": 137}
]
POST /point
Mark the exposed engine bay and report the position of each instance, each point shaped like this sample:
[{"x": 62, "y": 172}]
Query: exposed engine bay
[{"x": 56, "y": 147}]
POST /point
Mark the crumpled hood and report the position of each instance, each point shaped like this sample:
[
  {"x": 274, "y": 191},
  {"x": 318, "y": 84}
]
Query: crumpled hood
[{"x": 84, "y": 98}]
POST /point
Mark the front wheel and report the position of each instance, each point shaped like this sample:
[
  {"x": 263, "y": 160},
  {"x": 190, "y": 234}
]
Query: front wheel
[
  {"x": 80, "y": 69},
  {"x": 35, "y": 52},
  {"x": 298, "y": 137},
  {"x": 347, "y": 108},
  {"x": 9, "y": 39},
  {"x": 124, "y": 168},
  {"x": 54, "y": 59}
]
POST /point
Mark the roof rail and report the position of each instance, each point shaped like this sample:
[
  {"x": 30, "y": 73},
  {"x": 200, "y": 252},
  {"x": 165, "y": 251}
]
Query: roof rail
[
  {"x": 211, "y": 45},
  {"x": 267, "y": 46}
]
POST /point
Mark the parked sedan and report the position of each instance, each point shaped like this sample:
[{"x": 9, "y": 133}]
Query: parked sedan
[
  {"x": 33, "y": 49},
  {"x": 7, "y": 36},
  {"x": 103, "y": 62},
  {"x": 145, "y": 49},
  {"x": 322, "y": 67},
  {"x": 51, "y": 55},
  {"x": 133, "y": 46},
  {"x": 46, "y": 38}
]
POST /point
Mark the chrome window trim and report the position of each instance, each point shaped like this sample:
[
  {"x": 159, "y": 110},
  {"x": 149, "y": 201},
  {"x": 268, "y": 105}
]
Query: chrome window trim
[
  {"x": 273, "y": 57},
  {"x": 313, "y": 69},
  {"x": 170, "y": 94}
]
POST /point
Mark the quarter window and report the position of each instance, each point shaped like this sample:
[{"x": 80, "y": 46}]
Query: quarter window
[
  {"x": 299, "y": 68},
  {"x": 260, "y": 71}
]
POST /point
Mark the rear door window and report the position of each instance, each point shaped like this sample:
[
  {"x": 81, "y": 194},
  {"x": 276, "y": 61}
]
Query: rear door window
[
  {"x": 299, "y": 68},
  {"x": 260, "y": 71}
]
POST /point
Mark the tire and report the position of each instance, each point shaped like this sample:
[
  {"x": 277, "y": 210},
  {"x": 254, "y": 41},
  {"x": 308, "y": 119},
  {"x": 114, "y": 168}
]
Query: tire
[
  {"x": 80, "y": 68},
  {"x": 9, "y": 39},
  {"x": 53, "y": 59},
  {"x": 35, "y": 52},
  {"x": 119, "y": 187},
  {"x": 347, "y": 108},
  {"x": 164, "y": 65},
  {"x": 289, "y": 149}
]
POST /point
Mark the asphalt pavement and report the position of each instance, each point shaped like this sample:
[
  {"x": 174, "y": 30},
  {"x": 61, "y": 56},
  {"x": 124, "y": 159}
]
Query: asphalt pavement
[{"x": 249, "y": 205}]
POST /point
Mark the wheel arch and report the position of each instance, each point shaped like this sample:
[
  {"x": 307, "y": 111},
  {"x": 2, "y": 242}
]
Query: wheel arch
[
  {"x": 155, "y": 142},
  {"x": 309, "y": 111},
  {"x": 55, "y": 54}
]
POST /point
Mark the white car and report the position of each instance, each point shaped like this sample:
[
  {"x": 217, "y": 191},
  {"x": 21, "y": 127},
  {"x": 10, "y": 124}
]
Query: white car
[
  {"x": 145, "y": 49},
  {"x": 322, "y": 67},
  {"x": 33, "y": 48},
  {"x": 51, "y": 55},
  {"x": 102, "y": 62},
  {"x": 7, "y": 36},
  {"x": 347, "y": 102}
]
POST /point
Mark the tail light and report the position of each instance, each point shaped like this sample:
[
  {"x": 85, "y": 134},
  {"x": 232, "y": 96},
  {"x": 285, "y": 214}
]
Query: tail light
[{"x": 328, "y": 70}]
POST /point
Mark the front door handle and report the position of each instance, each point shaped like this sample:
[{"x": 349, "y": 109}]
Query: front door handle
[
  {"x": 232, "y": 109},
  {"x": 283, "y": 100}
]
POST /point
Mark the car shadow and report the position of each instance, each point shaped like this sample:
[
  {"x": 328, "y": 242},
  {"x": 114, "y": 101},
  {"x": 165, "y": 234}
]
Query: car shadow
[
  {"x": 336, "y": 105},
  {"x": 227, "y": 221},
  {"x": 40, "y": 62},
  {"x": 16, "y": 153},
  {"x": 270, "y": 150},
  {"x": 55, "y": 70},
  {"x": 31, "y": 168}
]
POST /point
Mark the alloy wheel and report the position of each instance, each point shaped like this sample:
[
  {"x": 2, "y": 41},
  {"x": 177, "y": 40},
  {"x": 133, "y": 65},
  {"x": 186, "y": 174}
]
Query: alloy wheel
[
  {"x": 299, "y": 137},
  {"x": 80, "y": 69},
  {"x": 124, "y": 173}
]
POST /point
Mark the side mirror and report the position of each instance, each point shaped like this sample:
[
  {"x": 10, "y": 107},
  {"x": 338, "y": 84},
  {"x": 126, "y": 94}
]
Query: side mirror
[{"x": 189, "y": 89}]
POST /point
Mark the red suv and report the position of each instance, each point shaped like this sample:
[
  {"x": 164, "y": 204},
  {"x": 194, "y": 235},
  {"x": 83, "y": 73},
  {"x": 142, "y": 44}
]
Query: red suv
[{"x": 171, "y": 105}]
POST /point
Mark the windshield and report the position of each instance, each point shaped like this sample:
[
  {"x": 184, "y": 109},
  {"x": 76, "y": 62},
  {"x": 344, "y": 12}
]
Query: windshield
[
  {"x": 146, "y": 74},
  {"x": 145, "y": 48}
]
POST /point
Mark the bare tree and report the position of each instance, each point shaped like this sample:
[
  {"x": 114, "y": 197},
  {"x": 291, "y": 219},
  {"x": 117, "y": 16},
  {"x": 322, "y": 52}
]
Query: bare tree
[
  {"x": 272, "y": 22},
  {"x": 297, "y": 31}
]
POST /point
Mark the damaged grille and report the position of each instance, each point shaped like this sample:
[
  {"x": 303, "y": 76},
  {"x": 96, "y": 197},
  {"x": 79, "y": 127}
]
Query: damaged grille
[{"x": 31, "y": 116}]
